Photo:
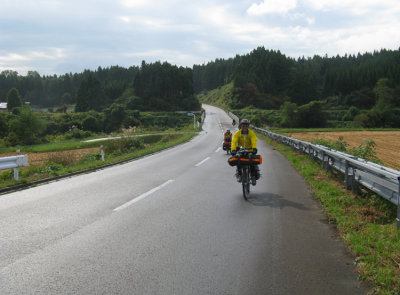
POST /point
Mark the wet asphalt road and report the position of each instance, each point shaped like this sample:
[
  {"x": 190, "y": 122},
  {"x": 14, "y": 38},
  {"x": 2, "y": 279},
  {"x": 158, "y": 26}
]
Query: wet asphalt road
[{"x": 173, "y": 223}]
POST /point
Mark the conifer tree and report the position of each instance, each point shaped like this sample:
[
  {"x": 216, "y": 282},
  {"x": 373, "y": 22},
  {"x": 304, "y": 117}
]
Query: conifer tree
[{"x": 13, "y": 99}]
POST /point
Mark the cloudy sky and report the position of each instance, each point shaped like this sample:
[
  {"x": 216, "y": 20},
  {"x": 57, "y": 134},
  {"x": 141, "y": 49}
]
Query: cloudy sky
[{"x": 69, "y": 36}]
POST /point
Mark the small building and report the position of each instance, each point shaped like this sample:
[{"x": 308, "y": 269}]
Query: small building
[{"x": 3, "y": 106}]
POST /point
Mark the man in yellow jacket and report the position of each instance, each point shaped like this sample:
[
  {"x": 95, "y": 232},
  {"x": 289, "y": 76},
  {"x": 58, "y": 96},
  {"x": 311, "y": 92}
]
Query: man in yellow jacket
[{"x": 247, "y": 139}]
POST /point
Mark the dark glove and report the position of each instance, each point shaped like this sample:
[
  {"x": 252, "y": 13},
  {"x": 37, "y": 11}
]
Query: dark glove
[
  {"x": 233, "y": 152},
  {"x": 254, "y": 151}
]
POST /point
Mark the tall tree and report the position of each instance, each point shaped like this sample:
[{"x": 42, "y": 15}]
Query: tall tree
[
  {"x": 14, "y": 99},
  {"x": 90, "y": 95},
  {"x": 385, "y": 98}
]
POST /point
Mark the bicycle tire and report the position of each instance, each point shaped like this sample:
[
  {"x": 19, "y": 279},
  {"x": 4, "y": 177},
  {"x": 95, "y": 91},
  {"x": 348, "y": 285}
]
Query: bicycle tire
[{"x": 246, "y": 182}]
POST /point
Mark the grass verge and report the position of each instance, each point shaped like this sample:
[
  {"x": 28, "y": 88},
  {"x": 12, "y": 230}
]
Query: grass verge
[{"x": 366, "y": 222}]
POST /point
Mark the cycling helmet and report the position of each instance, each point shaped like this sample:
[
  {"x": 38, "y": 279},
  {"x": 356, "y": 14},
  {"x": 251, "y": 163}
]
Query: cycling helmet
[
  {"x": 228, "y": 130},
  {"x": 244, "y": 122}
]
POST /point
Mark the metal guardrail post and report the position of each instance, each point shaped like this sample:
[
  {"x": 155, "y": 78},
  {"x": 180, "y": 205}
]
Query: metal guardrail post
[
  {"x": 346, "y": 177},
  {"x": 325, "y": 161},
  {"x": 310, "y": 152},
  {"x": 354, "y": 183},
  {"x": 16, "y": 174}
]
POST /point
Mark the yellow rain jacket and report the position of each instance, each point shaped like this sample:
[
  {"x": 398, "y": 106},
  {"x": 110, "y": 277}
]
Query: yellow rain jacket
[{"x": 247, "y": 141}]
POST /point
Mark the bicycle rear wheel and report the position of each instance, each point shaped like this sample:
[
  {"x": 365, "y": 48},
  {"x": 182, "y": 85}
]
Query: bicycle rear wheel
[{"x": 246, "y": 182}]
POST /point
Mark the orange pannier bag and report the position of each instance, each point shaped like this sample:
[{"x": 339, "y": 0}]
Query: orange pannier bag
[
  {"x": 233, "y": 161},
  {"x": 254, "y": 160}
]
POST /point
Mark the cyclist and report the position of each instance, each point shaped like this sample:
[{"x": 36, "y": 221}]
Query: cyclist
[
  {"x": 247, "y": 139},
  {"x": 228, "y": 135}
]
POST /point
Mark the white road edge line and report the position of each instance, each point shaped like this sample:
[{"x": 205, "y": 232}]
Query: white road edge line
[
  {"x": 206, "y": 159},
  {"x": 142, "y": 196},
  {"x": 218, "y": 149}
]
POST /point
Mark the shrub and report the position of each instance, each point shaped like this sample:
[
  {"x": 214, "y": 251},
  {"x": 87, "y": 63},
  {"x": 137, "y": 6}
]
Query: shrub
[
  {"x": 366, "y": 151},
  {"x": 339, "y": 145},
  {"x": 75, "y": 132},
  {"x": 124, "y": 144},
  {"x": 90, "y": 158}
]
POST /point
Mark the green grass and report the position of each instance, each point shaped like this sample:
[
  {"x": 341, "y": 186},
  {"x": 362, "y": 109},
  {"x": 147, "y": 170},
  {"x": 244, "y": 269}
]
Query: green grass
[
  {"x": 220, "y": 97},
  {"x": 52, "y": 147},
  {"x": 365, "y": 222}
]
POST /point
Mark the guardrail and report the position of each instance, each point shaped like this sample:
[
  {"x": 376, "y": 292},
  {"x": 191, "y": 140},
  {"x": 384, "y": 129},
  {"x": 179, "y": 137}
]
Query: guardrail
[
  {"x": 14, "y": 162},
  {"x": 382, "y": 180}
]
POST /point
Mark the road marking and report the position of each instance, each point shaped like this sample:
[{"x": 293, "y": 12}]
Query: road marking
[
  {"x": 218, "y": 149},
  {"x": 206, "y": 159},
  {"x": 142, "y": 196}
]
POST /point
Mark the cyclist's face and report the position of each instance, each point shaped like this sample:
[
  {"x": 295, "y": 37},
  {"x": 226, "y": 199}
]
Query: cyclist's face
[{"x": 245, "y": 127}]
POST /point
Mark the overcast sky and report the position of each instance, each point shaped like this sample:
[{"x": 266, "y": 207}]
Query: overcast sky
[{"x": 69, "y": 36}]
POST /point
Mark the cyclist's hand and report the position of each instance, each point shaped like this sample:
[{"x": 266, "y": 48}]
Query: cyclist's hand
[
  {"x": 233, "y": 152},
  {"x": 254, "y": 151}
]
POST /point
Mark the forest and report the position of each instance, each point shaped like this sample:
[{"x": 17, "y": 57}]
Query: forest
[
  {"x": 365, "y": 88},
  {"x": 360, "y": 90},
  {"x": 104, "y": 101}
]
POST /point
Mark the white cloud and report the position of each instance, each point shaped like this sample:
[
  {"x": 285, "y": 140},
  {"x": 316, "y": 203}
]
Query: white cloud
[
  {"x": 125, "y": 19},
  {"x": 272, "y": 7},
  {"x": 215, "y": 16},
  {"x": 354, "y": 6},
  {"x": 310, "y": 20},
  {"x": 135, "y": 3},
  {"x": 22, "y": 62},
  {"x": 13, "y": 57},
  {"x": 368, "y": 38}
]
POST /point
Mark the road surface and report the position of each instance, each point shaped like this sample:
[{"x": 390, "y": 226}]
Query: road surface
[{"x": 173, "y": 223}]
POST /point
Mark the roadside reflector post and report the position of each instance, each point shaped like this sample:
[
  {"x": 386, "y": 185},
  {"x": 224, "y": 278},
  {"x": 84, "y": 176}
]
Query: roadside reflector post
[{"x": 102, "y": 153}]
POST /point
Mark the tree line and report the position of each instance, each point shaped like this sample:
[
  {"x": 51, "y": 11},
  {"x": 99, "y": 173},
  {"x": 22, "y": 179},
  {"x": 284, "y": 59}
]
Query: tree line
[
  {"x": 106, "y": 100},
  {"x": 52, "y": 91},
  {"x": 267, "y": 79}
]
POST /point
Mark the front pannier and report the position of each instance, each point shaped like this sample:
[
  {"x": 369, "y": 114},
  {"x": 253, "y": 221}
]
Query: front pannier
[
  {"x": 253, "y": 160},
  {"x": 233, "y": 161},
  {"x": 256, "y": 160}
]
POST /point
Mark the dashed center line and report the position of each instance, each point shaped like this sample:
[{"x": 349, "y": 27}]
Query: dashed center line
[
  {"x": 206, "y": 159},
  {"x": 142, "y": 196}
]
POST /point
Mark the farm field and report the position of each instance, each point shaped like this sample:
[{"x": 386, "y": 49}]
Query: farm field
[{"x": 387, "y": 142}]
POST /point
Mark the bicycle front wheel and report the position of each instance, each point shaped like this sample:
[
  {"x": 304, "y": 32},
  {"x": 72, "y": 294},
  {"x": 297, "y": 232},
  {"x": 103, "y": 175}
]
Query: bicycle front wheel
[{"x": 246, "y": 182}]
